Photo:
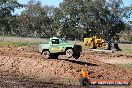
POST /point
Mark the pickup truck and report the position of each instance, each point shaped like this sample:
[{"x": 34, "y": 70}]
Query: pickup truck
[{"x": 60, "y": 46}]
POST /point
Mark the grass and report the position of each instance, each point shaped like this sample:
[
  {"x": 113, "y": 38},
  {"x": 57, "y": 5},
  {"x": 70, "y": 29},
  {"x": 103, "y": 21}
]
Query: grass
[
  {"x": 17, "y": 43},
  {"x": 125, "y": 66},
  {"x": 129, "y": 51}
]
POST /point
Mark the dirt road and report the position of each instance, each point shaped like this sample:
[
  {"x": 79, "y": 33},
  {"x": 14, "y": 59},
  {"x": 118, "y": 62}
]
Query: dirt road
[{"x": 25, "y": 63}]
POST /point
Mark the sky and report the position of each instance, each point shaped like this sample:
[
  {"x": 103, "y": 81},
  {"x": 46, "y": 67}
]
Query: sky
[
  {"x": 44, "y": 2},
  {"x": 56, "y": 3}
]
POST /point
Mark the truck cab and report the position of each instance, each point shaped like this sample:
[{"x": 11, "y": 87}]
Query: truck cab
[{"x": 59, "y": 46}]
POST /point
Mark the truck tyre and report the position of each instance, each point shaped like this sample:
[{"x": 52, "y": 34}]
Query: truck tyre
[
  {"x": 76, "y": 54},
  {"x": 46, "y": 54},
  {"x": 69, "y": 53}
]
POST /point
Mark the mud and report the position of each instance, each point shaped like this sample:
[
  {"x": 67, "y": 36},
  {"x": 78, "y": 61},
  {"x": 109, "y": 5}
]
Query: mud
[{"x": 26, "y": 63}]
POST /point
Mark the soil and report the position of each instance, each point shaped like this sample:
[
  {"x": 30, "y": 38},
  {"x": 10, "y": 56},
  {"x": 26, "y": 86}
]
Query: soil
[{"x": 25, "y": 67}]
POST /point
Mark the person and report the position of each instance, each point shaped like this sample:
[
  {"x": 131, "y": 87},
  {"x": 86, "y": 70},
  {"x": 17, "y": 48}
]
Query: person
[
  {"x": 64, "y": 38},
  {"x": 107, "y": 40},
  {"x": 116, "y": 39}
]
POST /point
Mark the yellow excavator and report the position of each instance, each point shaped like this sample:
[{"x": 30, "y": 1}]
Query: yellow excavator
[
  {"x": 99, "y": 41},
  {"x": 95, "y": 42}
]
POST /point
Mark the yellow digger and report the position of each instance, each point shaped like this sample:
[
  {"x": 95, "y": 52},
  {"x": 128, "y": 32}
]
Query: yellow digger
[
  {"x": 95, "y": 42},
  {"x": 99, "y": 41}
]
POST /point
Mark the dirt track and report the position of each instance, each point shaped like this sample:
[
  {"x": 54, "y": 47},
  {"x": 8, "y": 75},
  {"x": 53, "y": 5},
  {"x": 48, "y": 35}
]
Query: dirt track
[{"x": 20, "y": 63}]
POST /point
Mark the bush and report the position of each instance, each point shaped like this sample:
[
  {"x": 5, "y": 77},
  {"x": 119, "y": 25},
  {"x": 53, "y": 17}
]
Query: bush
[{"x": 130, "y": 37}]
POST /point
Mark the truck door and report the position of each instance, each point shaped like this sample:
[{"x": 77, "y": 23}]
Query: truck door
[{"x": 54, "y": 45}]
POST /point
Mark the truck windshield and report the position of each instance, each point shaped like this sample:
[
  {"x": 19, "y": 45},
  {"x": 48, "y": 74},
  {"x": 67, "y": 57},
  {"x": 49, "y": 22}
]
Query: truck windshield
[
  {"x": 55, "y": 41},
  {"x": 63, "y": 40}
]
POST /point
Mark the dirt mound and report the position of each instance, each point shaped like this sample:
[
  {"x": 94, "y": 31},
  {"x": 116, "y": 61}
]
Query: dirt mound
[
  {"x": 28, "y": 62},
  {"x": 104, "y": 70}
]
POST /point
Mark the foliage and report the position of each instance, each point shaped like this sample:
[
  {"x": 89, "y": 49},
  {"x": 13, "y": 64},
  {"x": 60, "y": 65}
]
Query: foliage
[
  {"x": 6, "y": 9},
  {"x": 73, "y": 18}
]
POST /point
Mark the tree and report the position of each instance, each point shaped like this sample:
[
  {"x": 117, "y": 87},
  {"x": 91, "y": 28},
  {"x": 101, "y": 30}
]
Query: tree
[
  {"x": 72, "y": 18},
  {"x": 94, "y": 15},
  {"x": 6, "y": 8},
  {"x": 36, "y": 18}
]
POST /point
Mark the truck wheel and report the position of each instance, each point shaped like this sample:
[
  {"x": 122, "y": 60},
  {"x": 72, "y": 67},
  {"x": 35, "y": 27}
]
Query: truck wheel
[
  {"x": 46, "y": 54},
  {"x": 76, "y": 55},
  {"x": 69, "y": 53}
]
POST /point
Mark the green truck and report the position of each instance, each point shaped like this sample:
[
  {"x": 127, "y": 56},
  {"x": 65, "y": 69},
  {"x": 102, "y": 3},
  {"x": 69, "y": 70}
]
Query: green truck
[{"x": 58, "y": 46}]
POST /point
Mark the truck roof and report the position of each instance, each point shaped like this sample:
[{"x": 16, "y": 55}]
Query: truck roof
[{"x": 54, "y": 38}]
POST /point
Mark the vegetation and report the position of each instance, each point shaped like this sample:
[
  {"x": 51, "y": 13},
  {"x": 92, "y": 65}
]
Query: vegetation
[
  {"x": 6, "y": 17},
  {"x": 126, "y": 66},
  {"x": 73, "y": 18},
  {"x": 129, "y": 51},
  {"x": 17, "y": 43}
]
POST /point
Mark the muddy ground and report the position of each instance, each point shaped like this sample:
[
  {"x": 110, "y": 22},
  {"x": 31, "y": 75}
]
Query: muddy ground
[{"x": 25, "y": 67}]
